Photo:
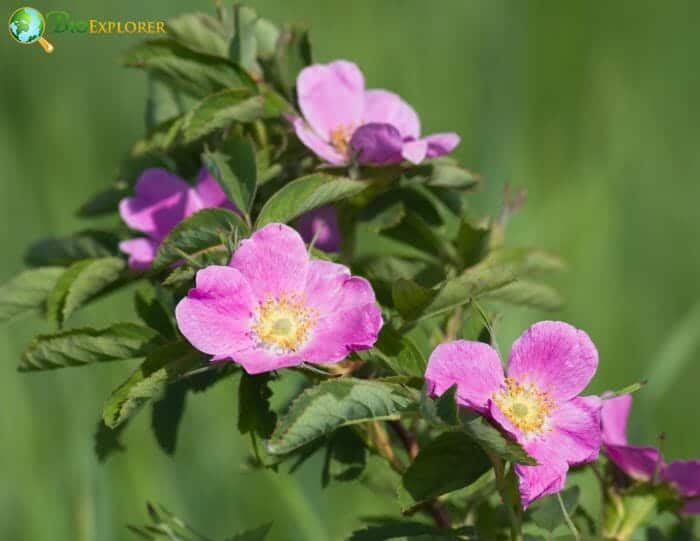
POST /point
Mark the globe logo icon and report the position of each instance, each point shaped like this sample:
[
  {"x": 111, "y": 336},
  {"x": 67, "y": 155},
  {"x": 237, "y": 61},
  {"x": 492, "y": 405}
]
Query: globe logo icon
[{"x": 27, "y": 26}]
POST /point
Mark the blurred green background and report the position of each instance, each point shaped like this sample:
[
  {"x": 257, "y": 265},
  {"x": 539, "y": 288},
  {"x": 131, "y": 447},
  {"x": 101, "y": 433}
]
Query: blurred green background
[{"x": 591, "y": 106}]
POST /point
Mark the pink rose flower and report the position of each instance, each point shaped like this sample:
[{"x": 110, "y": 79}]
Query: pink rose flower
[
  {"x": 644, "y": 462},
  {"x": 537, "y": 403},
  {"x": 342, "y": 120},
  {"x": 275, "y": 307},
  {"x": 161, "y": 201}
]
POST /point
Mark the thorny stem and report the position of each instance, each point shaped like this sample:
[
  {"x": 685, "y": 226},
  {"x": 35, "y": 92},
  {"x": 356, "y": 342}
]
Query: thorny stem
[
  {"x": 567, "y": 518},
  {"x": 502, "y": 486},
  {"x": 433, "y": 507}
]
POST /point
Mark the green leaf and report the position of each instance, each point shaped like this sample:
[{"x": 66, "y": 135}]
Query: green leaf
[
  {"x": 185, "y": 273},
  {"x": 107, "y": 440},
  {"x": 27, "y": 291},
  {"x": 471, "y": 243},
  {"x": 64, "y": 251},
  {"x": 105, "y": 201},
  {"x": 414, "y": 231},
  {"x": 471, "y": 284},
  {"x": 81, "y": 282},
  {"x": 546, "y": 512},
  {"x": 493, "y": 440},
  {"x": 162, "y": 366},
  {"x": 256, "y": 534},
  {"x": 446, "y": 406},
  {"x": 221, "y": 109},
  {"x": 196, "y": 73},
  {"x": 165, "y": 101},
  {"x": 78, "y": 347},
  {"x": 444, "y": 411},
  {"x": 235, "y": 168},
  {"x": 160, "y": 138},
  {"x": 167, "y": 414},
  {"x": 254, "y": 412},
  {"x": 202, "y": 231},
  {"x": 244, "y": 45},
  {"x": 451, "y": 461},
  {"x": 409, "y": 297},
  {"x": 443, "y": 173},
  {"x": 385, "y": 529},
  {"x": 331, "y": 404},
  {"x": 293, "y": 54},
  {"x": 346, "y": 456},
  {"x": 199, "y": 32},
  {"x": 398, "y": 352},
  {"x": 382, "y": 213},
  {"x": 304, "y": 194},
  {"x": 522, "y": 261},
  {"x": 527, "y": 293},
  {"x": 155, "y": 307},
  {"x": 628, "y": 389},
  {"x": 267, "y": 36}
]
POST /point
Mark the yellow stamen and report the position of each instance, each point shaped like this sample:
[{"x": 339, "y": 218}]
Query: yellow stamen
[
  {"x": 340, "y": 138},
  {"x": 282, "y": 324},
  {"x": 526, "y": 406}
]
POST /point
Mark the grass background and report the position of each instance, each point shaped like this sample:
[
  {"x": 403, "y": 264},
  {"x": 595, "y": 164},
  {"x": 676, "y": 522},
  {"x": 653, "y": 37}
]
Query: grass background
[{"x": 590, "y": 105}]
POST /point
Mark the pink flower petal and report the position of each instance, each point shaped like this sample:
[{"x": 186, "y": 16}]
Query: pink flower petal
[
  {"x": 614, "y": 419},
  {"x": 571, "y": 435},
  {"x": 257, "y": 360},
  {"x": 440, "y": 144},
  {"x": 330, "y": 288},
  {"x": 685, "y": 476},
  {"x": 474, "y": 366},
  {"x": 141, "y": 251},
  {"x": 160, "y": 202},
  {"x": 537, "y": 481},
  {"x": 378, "y": 144},
  {"x": 321, "y": 226},
  {"x": 273, "y": 260},
  {"x": 575, "y": 435},
  {"x": 320, "y": 147},
  {"x": 385, "y": 107},
  {"x": 638, "y": 462},
  {"x": 348, "y": 317},
  {"x": 331, "y": 96},
  {"x": 415, "y": 151},
  {"x": 556, "y": 357},
  {"x": 691, "y": 507},
  {"x": 343, "y": 331},
  {"x": 215, "y": 316}
]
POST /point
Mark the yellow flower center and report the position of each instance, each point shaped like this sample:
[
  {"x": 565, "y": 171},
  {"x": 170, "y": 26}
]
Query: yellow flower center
[
  {"x": 340, "y": 138},
  {"x": 526, "y": 406},
  {"x": 282, "y": 324}
]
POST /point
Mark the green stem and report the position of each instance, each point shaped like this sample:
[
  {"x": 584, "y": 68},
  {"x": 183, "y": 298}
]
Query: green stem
[
  {"x": 567, "y": 518},
  {"x": 516, "y": 533}
]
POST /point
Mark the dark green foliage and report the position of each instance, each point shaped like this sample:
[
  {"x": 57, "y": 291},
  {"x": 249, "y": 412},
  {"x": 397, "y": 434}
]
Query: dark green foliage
[
  {"x": 67, "y": 250},
  {"x": 27, "y": 291},
  {"x": 254, "y": 413},
  {"x": 205, "y": 230},
  {"x": 305, "y": 194},
  {"x": 335, "y": 403},
  {"x": 451, "y": 461},
  {"x": 78, "y": 347}
]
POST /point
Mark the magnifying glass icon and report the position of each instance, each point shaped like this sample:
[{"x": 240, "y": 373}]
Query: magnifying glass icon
[{"x": 27, "y": 26}]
